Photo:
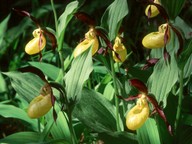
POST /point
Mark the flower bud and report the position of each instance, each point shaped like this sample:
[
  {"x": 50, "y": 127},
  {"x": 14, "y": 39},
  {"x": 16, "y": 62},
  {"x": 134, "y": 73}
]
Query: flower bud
[
  {"x": 120, "y": 52},
  {"x": 90, "y": 40},
  {"x": 154, "y": 10},
  {"x": 156, "y": 39},
  {"x": 37, "y": 44},
  {"x": 39, "y": 106},
  {"x": 138, "y": 114}
]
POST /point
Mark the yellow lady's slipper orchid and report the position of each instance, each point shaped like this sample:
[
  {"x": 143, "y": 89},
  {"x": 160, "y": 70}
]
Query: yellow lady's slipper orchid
[
  {"x": 137, "y": 116},
  {"x": 37, "y": 43},
  {"x": 90, "y": 39},
  {"x": 156, "y": 39},
  {"x": 154, "y": 9},
  {"x": 39, "y": 106},
  {"x": 120, "y": 50}
]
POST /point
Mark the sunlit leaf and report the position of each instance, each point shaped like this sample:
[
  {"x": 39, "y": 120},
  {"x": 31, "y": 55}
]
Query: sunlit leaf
[
  {"x": 80, "y": 70},
  {"x": 163, "y": 79},
  {"x": 114, "y": 15},
  {"x": 3, "y": 28}
]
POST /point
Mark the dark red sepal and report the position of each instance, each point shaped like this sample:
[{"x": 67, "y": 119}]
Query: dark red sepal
[
  {"x": 27, "y": 14},
  {"x": 159, "y": 110},
  {"x": 84, "y": 17},
  {"x": 150, "y": 63},
  {"x": 139, "y": 85}
]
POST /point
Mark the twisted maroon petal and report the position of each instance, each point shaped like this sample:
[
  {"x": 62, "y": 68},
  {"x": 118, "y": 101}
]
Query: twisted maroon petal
[
  {"x": 139, "y": 85},
  {"x": 130, "y": 98},
  {"x": 159, "y": 110}
]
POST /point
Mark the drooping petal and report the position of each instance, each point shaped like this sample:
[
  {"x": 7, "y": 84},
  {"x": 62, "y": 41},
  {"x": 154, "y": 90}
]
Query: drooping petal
[
  {"x": 139, "y": 85},
  {"x": 161, "y": 113},
  {"x": 84, "y": 17}
]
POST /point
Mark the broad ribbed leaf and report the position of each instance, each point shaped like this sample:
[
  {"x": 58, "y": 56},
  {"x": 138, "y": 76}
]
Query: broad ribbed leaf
[
  {"x": 114, "y": 15},
  {"x": 50, "y": 70},
  {"x": 96, "y": 112},
  {"x": 9, "y": 111},
  {"x": 163, "y": 79},
  {"x": 148, "y": 133},
  {"x": 65, "y": 18},
  {"x": 27, "y": 85},
  {"x": 21, "y": 138},
  {"x": 80, "y": 70},
  {"x": 173, "y": 7}
]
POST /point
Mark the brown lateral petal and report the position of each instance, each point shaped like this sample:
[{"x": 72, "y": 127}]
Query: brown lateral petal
[
  {"x": 27, "y": 14},
  {"x": 130, "y": 98},
  {"x": 161, "y": 113},
  {"x": 51, "y": 37},
  {"x": 139, "y": 85},
  {"x": 150, "y": 63}
]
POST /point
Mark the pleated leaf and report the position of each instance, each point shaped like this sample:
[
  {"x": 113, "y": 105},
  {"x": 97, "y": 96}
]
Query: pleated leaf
[
  {"x": 148, "y": 133},
  {"x": 96, "y": 112},
  {"x": 80, "y": 70},
  {"x": 3, "y": 28},
  {"x": 163, "y": 79},
  {"x": 114, "y": 15},
  {"x": 27, "y": 85}
]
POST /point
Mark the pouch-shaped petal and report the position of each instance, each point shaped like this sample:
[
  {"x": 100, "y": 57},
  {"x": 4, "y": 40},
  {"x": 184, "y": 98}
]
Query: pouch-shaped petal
[
  {"x": 137, "y": 116},
  {"x": 39, "y": 106}
]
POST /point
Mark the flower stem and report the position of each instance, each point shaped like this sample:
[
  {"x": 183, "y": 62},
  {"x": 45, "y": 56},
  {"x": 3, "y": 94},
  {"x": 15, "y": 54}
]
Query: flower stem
[
  {"x": 55, "y": 15},
  {"x": 178, "y": 114},
  {"x": 116, "y": 92}
]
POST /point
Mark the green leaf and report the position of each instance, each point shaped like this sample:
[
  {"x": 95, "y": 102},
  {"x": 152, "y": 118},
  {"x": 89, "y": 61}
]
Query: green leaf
[
  {"x": 163, "y": 79},
  {"x": 65, "y": 18},
  {"x": 173, "y": 7},
  {"x": 80, "y": 70},
  {"x": 3, "y": 28},
  {"x": 114, "y": 15},
  {"x": 148, "y": 133},
  {"x": 50, "y": 70},
  {"x": 118, "y": 138},
  {"x": 21, "y": 138},
  {"x": 9, "y": 111},
  {"x": 3, "y": 87},
  {"x": 96, "y": 112},
  {"x": 27, "y": 85}
]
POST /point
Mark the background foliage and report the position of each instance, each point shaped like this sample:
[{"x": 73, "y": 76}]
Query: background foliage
[{"x": 87, "y": 109}]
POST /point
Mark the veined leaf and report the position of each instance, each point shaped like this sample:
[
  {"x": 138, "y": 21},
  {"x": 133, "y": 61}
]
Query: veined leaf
[
  {"x": 114, "y": 15},
  {"x": 3, "y": 27},
  {"x": 148, "y": 133},
  {"x": 80, "y": 70},
  {"x": 27, "y": 85},
  {"x": 21, "y": 137},
  {"x": 65, "y": 18},
  {"x": 173, "y": 7},
  {"x": 9, "y": 111},
  {"x": 163, "y": 79},
  {"x": 96, "y": 112}
]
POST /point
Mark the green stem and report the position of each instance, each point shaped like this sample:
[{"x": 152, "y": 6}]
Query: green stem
[
  {"x": 55, "y": 15},
  {"x": 179, "y": 106},
  {"x": 116, "y": 92}
]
